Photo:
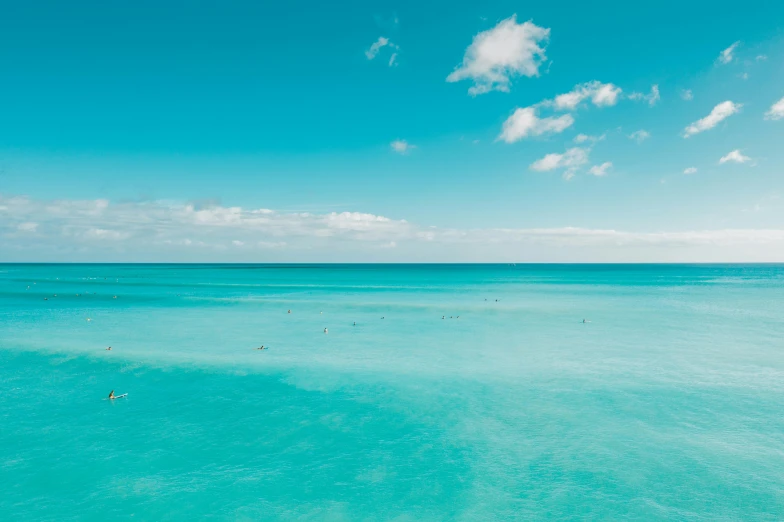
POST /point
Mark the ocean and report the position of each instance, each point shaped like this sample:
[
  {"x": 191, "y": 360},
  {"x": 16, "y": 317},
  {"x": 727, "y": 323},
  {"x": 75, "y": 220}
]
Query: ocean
[{"x": 437, "y": 392}]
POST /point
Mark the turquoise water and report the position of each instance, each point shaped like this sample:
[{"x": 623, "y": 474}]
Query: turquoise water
[{"x": 668, "y": 404}]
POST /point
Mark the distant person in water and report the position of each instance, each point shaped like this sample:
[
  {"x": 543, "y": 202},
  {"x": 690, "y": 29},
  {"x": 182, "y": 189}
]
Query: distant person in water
[
  {"x": 111, "y": 395},
  {"x": 289, "y": 311},
  {"x": 261, "y": 347},
  {"x": 355, "y": 323},
  {"x": 325, "y": 330},
  {"x": 108, "y": 348}
]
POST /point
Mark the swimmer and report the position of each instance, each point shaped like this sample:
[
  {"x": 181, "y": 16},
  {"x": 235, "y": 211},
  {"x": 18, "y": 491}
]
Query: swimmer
[
  {"x": 46, "y": 298},
  {"x": 443, "y": 316},
  {"x": 115, "y": 297},
  {"x": 355, "y": 323},
  {"x": 261, "y": 347},
  {"x": 112, "y": 395},
  {"x": 108, "y": 348},
  {"x": 325, "y": 330},
  {"x": 289, "y": 311}
]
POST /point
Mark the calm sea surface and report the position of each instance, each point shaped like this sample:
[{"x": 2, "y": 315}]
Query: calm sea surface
[{"x": 462, "y": 393}]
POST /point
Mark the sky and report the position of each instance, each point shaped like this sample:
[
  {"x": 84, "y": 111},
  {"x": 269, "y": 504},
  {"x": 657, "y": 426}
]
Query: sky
[{"x": 302, "y": 131}]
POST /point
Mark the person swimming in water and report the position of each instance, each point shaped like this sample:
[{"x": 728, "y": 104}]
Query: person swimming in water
[
  {"x": 355, "y": 323},
  {"x": 325, "y": 330},
  {"x": 261, "y": 347},
  {"x": 108, "y": 348},
  {"x": 289, "y": 311}
]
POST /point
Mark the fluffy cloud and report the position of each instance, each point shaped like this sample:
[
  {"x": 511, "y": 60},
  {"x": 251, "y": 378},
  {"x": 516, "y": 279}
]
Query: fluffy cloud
[
  {"x": 525, "y": 122},
  {"x": 639, "y": 136},
  {"x": 776, "y": 111},
  {"x": 719, "y": 113},
  {"x": 726, "y": 55},
  {"x": 651, "y": 98},
  {"x": 600, "y": 94},
  {"x": 735, "y": 157},
  {"x": 601, "y": 170},
  {"x": 690, "y": 170},
  {"x": 497, "y": 55},
  {"x": 571, "y": 160},
  {"x": 401, "y": 146},
  {"x": 687, "y": 95}
]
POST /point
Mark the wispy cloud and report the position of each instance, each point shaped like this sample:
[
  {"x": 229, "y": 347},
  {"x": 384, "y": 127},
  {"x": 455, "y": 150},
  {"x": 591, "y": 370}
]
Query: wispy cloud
[
  {"x": 378, "y": 45},
  {"x": 583, "y": 138},
  {"x": 652, "y": 98},
  {"x": 525, "y": 122},
  {"x": 719, "y": 113},
  {"x": 734, "y": 157},
  {"x": 687, "y": 95},
  {"x": 639, "y": 136},
  {"x": 499, "y": 54},
  {"x": 690, "y": 170},
  {"x": 727, "y": 55},
  {"x": 401, "y": 146},
  {"x": 570, "y": 161},
  {"x": 601, "y": 170},
  {"x": 600, "y": 94},
  {"x": 92, "y": 229},
  {"x": 776, "y": 111}
]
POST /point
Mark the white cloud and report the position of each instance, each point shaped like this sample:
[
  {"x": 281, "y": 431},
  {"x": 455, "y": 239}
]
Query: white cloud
[
  {"x": 27, "y": 227},
  {"x": 497, "y": 55},
  {"x": 639, "y": 136},
  {"x": 719, "y": 113},
  {"x": 761, "y": 58},
  {"x": 690, "y": 170},
  {"x": 237, "y": 242},
  {"x": 401, "y": 146},
  {"x": 524, "y": 122},
  {"x": 600, "y": 170},
  {"x": 744, "y": 76},
  {"x": 376, "y": 47},
  {"x": 687, "y": 95},
  {"x": 726, "y": 55},
  {"x": 571, "y": 160},
  {"x": 651, "y": 98},
  {"x": 776, "y": 111},
  {"x": 582, "y": 138},
  {"x": 735, "y": 157},
  {"x": 379, "y": 44},
  {"x": 600, "y": 94},
  {"x": 161, "y": 231}
]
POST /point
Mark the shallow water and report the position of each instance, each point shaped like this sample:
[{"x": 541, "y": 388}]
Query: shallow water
[{"x": 668, "y": 404}]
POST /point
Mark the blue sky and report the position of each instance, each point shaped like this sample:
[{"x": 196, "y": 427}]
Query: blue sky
[{"x": 391, "y": 131}]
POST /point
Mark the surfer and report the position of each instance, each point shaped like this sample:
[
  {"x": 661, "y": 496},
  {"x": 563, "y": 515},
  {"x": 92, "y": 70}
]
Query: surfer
[
  {"x": 261, "y": 347},
  {"x": 112, "y": 395}
]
